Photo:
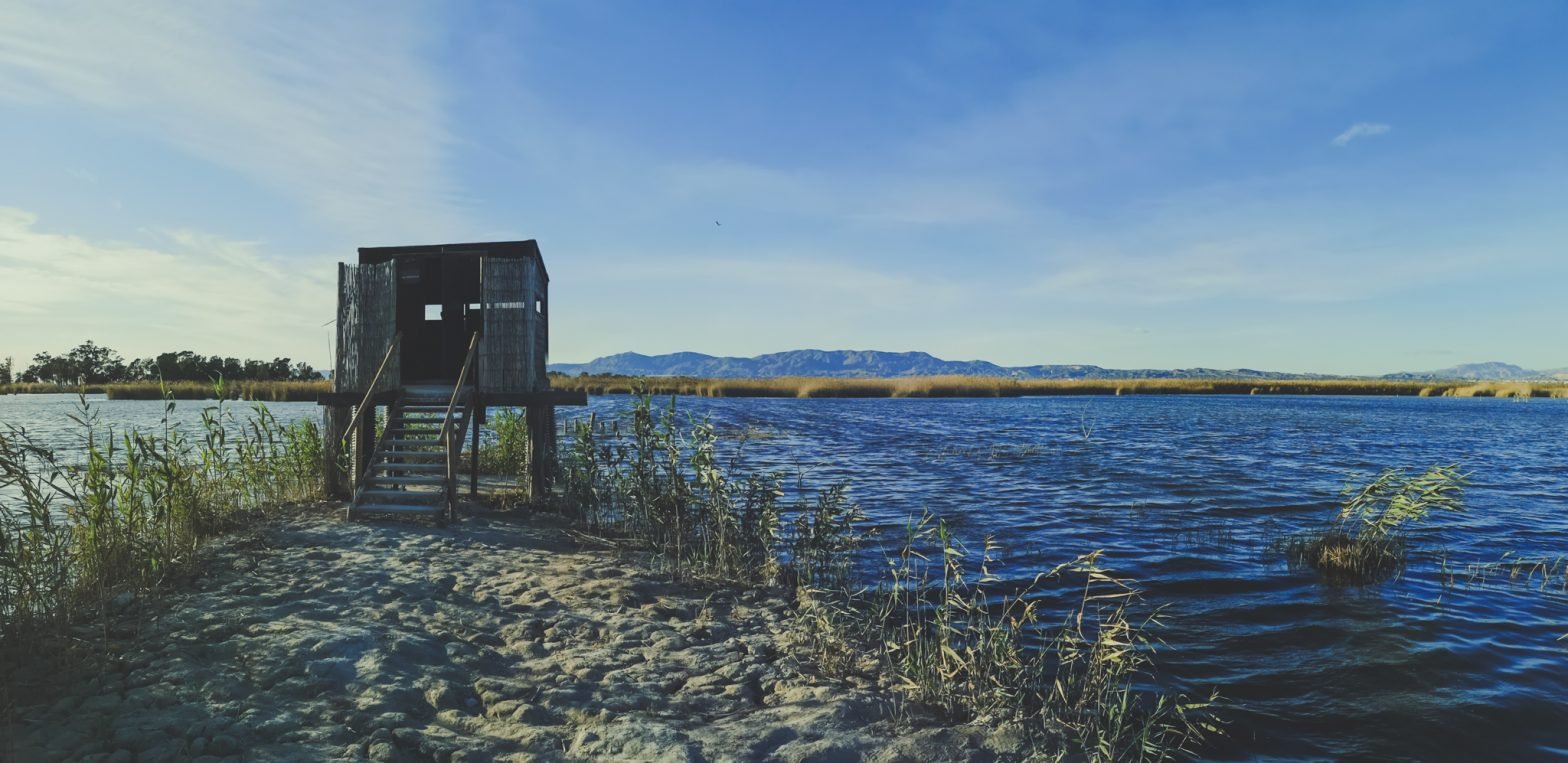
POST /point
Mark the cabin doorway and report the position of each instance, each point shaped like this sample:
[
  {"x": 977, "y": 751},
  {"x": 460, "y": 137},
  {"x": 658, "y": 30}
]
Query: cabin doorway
[{"x": 438, "y": 310}]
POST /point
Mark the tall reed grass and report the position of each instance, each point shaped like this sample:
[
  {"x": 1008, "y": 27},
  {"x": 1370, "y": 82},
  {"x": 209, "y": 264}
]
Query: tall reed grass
[
  {"x": 936, "y": 630},
  {"x": 982, "y": 386},
  {"x": 82, "y": 529},
  {"x": 266, "y": 391}
]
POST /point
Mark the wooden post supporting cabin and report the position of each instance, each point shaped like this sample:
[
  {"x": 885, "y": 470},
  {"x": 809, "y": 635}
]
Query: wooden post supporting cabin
[
  {"x": 364, "y": 444},
  {"x": 478, "y": 418},
  {"x": 541, "y": 449},
  {"x": 334, "y": 426}
]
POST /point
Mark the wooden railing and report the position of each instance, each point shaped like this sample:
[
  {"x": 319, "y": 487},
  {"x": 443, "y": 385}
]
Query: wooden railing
[{"x": 454, "y": 445}]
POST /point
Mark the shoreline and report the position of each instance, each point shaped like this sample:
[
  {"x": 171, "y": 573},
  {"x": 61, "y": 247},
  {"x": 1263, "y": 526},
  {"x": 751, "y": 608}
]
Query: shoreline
[
  {"x": 832, "y": 387},
  {"x": 504, "y": 637},
  {"x": 989, "y": 387}
]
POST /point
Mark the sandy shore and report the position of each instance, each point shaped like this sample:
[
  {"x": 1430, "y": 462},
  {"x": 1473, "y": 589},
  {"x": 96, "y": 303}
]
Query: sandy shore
[{"x": 499, "y": 638}]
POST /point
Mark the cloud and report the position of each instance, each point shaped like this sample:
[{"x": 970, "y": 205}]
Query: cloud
[
  {"x": 334, "y": 109},
  {"x": 1360, "y": 130},
  {"x": 183, "y": 289}
]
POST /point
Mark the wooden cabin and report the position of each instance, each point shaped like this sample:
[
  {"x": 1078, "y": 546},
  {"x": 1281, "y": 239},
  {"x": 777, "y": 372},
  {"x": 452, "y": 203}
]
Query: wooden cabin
[{"x": 433, "y": 336}]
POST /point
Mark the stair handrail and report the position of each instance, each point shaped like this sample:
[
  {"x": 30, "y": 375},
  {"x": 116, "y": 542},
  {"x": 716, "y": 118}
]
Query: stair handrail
[
  {"x": 446, "y": 425},
  {"x": 370, "y": 391}
]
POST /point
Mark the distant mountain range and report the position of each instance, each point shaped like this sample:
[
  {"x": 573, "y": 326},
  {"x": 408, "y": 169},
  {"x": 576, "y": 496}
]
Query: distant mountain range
[
  {"x": 873, "y": 363},
  {"x": 1493, "y": 371}
]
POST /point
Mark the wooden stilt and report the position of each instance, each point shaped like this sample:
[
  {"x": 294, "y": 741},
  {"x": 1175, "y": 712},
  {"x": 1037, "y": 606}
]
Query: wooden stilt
[
  {"x": 364, "y": 444},
  {"x": 478, "y": 417},
  {"x": 334, "y": 422}
]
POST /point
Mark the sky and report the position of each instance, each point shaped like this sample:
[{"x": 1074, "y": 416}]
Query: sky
[{"x": 1330, "y": 187}]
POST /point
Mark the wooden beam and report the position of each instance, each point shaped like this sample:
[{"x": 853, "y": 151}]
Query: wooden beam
[
  {"x": 525, "y": 399},
  {"x": 352, "y": 398}
]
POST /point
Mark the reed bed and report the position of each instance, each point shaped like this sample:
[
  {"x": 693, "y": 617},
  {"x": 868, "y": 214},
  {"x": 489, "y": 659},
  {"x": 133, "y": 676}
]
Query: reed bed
[
  {"x": 81, "y": 537},
  {"x": 933, "y": 626},
  {"x": 984, "y": 386},
  {"x": 264, "y": 391}
]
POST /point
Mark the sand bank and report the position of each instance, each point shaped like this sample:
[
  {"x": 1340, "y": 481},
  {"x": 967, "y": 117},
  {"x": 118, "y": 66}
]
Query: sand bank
[{"x": 500, "y": 638}]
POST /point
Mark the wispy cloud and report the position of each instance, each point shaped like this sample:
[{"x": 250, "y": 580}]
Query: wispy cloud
[
  {"x": 334, "y": 109},
  {"x": 178, "y": 291},
  {"x": 1360, "y": 130}
]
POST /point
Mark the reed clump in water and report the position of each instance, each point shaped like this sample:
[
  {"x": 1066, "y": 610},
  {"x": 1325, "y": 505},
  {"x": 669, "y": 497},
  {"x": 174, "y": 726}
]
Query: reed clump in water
[
  {"x": 984, "y": 386},
  {"x": 1367, "y": 540},
  {"x": 79, "y": 537},
  {"x": 940, "y": 636}
]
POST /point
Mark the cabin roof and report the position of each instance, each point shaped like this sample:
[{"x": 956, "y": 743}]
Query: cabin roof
[{"x": 370, "y": 255}]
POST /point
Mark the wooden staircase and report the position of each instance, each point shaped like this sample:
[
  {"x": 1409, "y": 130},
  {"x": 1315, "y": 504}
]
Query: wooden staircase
[{"x": 412, "y": 469}]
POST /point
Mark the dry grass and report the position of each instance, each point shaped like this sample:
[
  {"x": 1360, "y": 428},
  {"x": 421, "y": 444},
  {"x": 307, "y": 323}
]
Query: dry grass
[
  {"x": 984, "y": 386},
  {"x": 266, "y": 391}
]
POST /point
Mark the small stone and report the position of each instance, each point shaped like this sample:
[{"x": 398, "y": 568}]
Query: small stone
[
  {"x": 535, "y": 715},
  {"x": 223, "y": 744},
  {"x": 385, "y": 752}
]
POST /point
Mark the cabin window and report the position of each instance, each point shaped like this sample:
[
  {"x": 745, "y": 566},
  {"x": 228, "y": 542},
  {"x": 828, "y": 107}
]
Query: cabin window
[
  {"x": 539, "y": 306},
  {"x": 432, "y": 312}
]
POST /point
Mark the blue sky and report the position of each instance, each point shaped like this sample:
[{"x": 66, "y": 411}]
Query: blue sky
[{"x": 1333, "y": 187}]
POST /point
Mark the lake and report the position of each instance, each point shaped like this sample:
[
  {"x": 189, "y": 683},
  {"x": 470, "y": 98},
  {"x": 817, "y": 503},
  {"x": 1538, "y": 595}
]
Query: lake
[{"x": 1184, "y": 494}]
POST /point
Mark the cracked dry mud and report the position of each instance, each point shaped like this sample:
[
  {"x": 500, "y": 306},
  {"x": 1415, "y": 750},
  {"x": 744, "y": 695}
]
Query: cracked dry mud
[{"x": 312, "y": 638}]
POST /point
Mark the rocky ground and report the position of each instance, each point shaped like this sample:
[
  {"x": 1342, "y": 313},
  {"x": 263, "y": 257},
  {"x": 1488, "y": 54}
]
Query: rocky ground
[{"x": 499, "y": 638}]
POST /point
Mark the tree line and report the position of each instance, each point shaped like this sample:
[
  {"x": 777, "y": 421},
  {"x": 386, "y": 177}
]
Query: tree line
[{"x": 91, "y": 363}]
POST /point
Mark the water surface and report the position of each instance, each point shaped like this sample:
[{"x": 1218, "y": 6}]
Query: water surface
[{"x": 1184, "y": 494}]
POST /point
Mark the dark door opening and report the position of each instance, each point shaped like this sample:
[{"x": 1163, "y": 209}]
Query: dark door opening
[{"x": 436, "y": 308}]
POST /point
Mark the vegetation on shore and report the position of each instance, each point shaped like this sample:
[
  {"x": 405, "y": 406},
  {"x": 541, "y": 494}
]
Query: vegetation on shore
[
  {"x": 262, "y": 391},
  {"x": 1366, "y": 542},
  {"x": 982, "y": 386},
  {"x": 81, "y": 536},
  {"x": 932, "y": 626},
  {"x": 91, "y": 363}
]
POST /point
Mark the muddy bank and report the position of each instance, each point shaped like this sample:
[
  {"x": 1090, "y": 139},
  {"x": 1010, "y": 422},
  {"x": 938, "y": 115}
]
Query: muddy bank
[{"x": 499, "y": 638}]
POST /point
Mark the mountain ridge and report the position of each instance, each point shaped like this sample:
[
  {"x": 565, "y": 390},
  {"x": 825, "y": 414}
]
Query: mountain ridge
[{"x": 883, "y": 364}]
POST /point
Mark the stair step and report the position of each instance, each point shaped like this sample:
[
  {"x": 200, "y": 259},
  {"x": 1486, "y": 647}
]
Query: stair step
[
  {"x": 396, "y": 508},
  {"x": 420, "y": 497},
  {"x": 379, "y": 481},
  {"x": 424, "y": 408},
  {"x": 416, "y": 455},
  {"x": 383, "y": 466},
  {"x": 434, "y": 442}
]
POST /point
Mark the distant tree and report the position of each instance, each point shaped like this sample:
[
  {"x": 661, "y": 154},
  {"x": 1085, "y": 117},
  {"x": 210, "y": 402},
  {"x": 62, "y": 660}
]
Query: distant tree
[
  {"x": 49, "y": 369},
  {"x": 5, "y": 370},
  {"x": 93, "y": 364},
  {"x": 303, "y": 372}
]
